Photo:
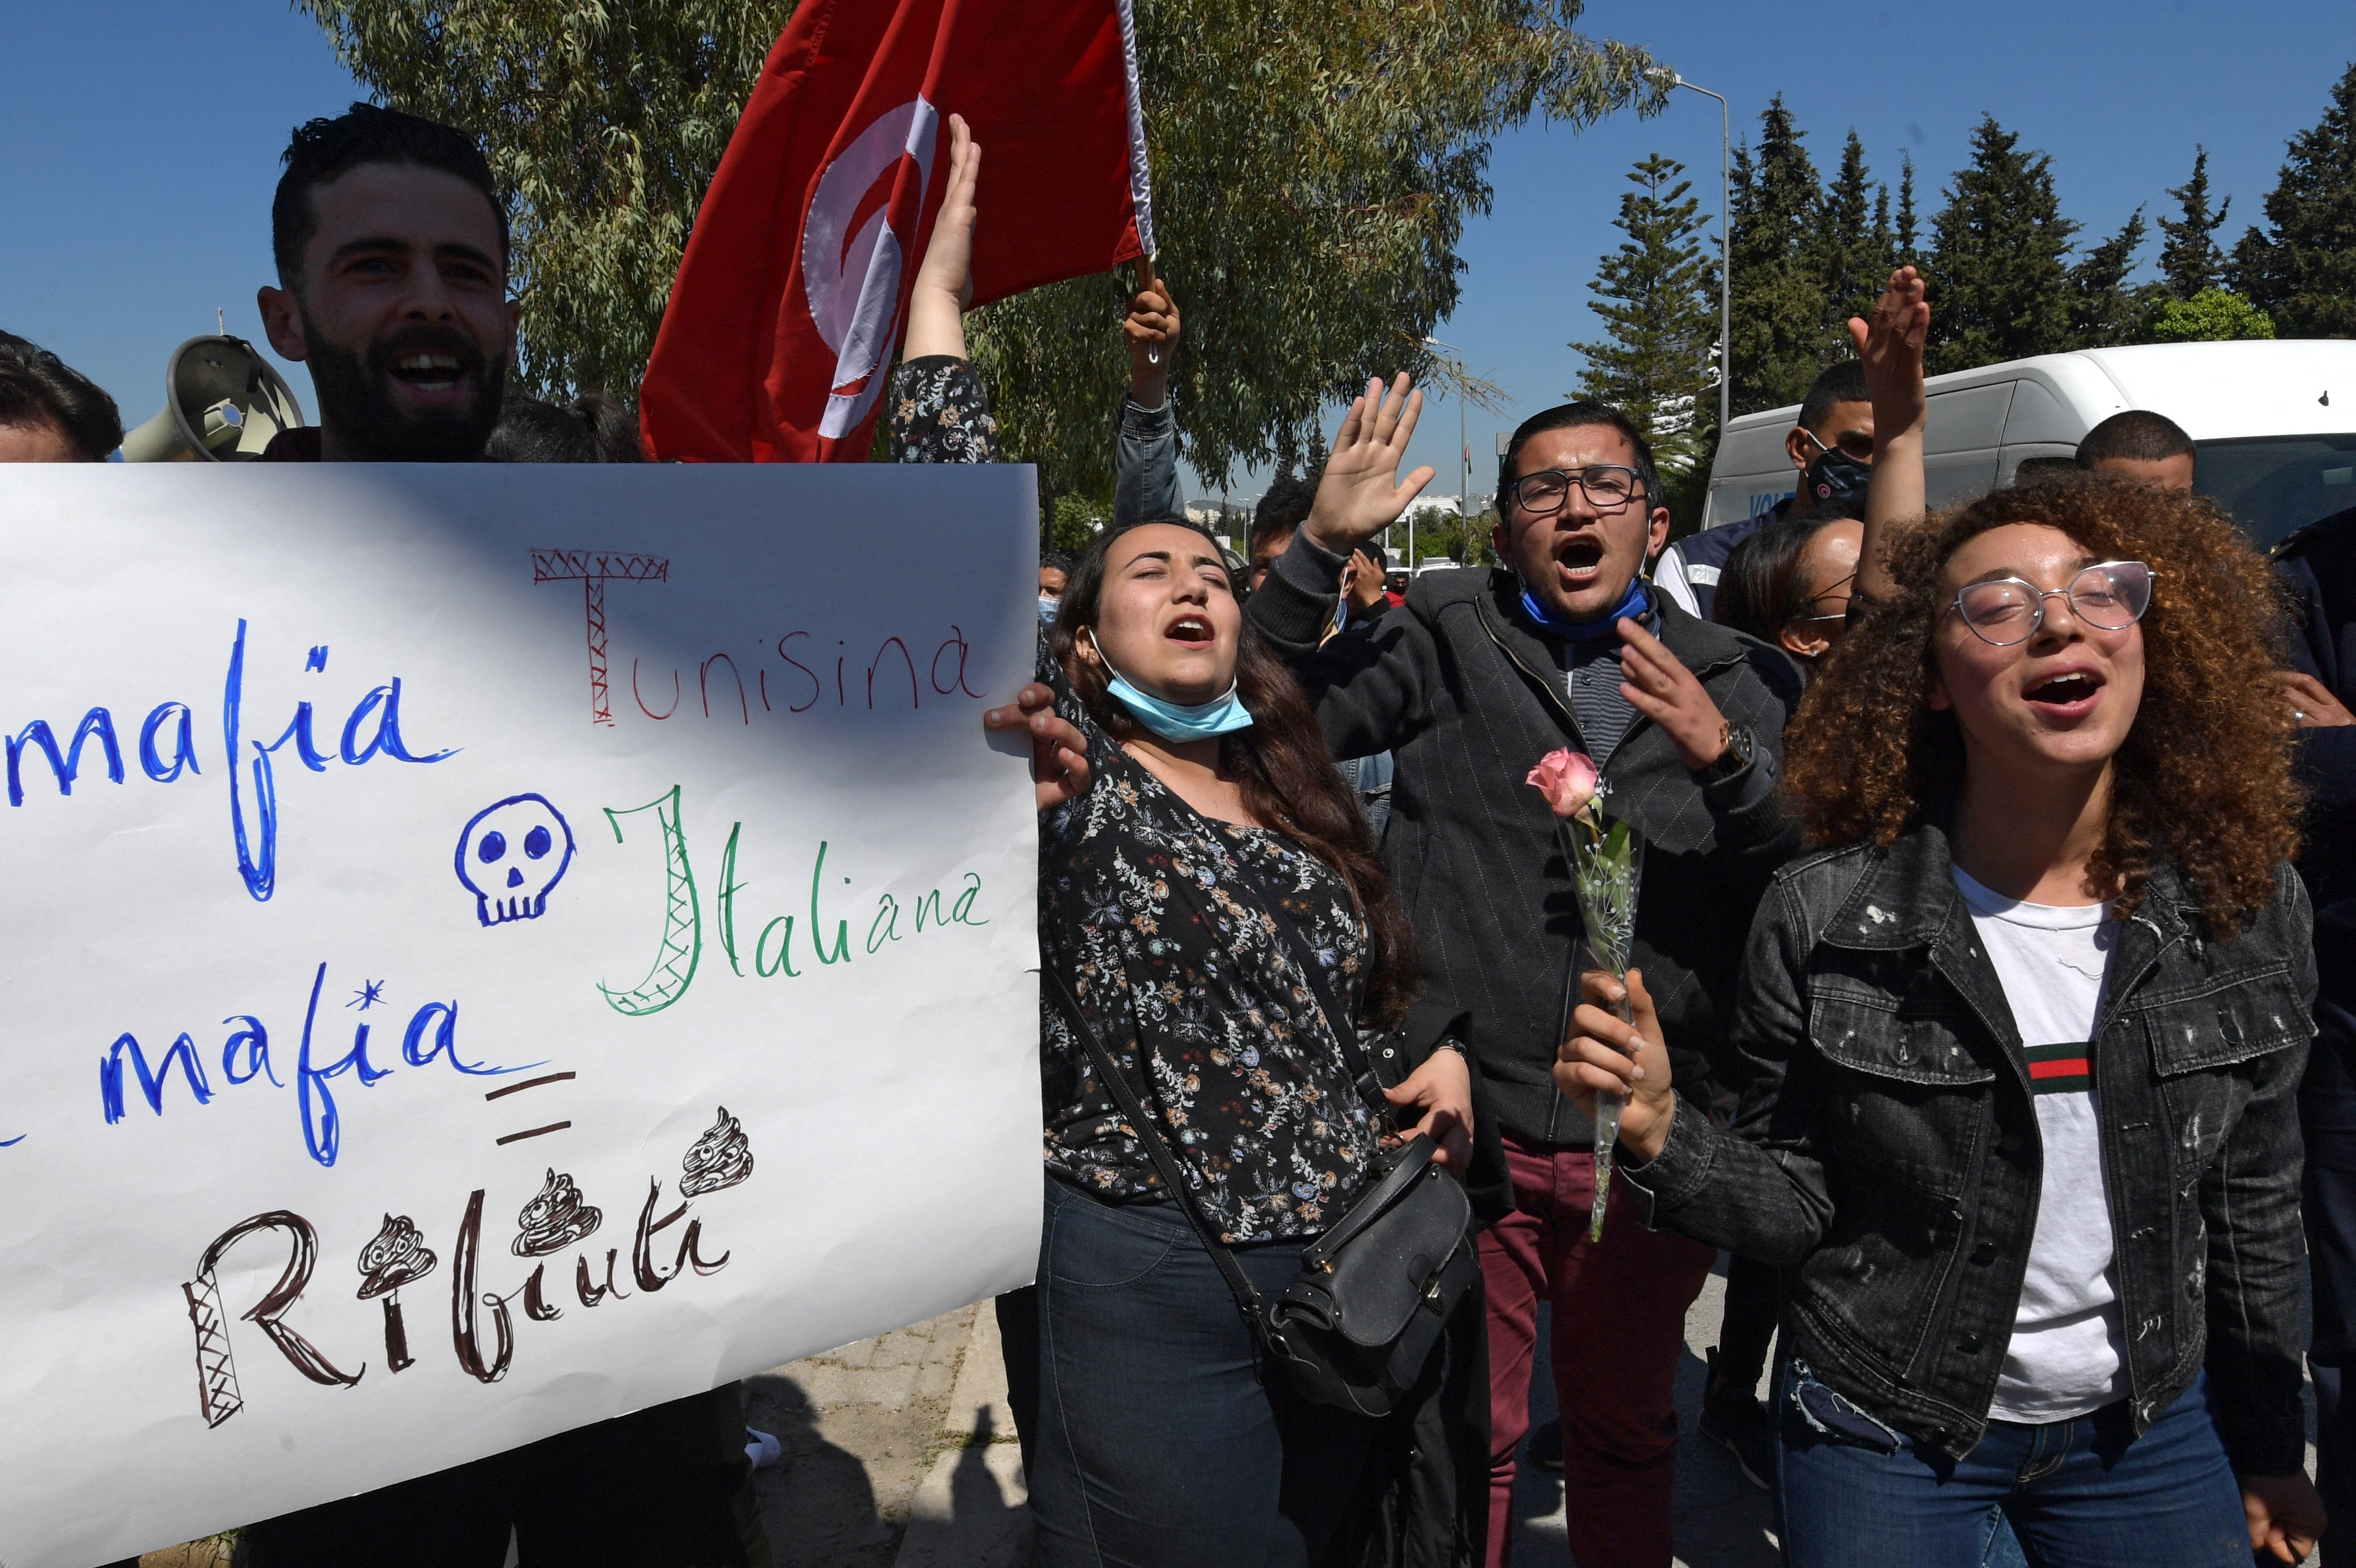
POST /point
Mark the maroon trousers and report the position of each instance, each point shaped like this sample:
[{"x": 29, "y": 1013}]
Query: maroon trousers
[{"x": 1619, "y": 1326}]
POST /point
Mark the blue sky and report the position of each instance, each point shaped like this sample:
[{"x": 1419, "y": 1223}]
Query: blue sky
[{"x": 145, "y": 138}]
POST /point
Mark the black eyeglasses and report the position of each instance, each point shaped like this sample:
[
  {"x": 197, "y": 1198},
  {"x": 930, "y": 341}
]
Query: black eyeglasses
[
  {"x": 2110, "y": 596},
  {"x": 1608, "y": 487}
]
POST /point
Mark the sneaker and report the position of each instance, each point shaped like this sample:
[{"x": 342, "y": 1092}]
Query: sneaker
[
  {"x": 1546, "y": 1446},
  {"x": 1732, "y": 1417}
]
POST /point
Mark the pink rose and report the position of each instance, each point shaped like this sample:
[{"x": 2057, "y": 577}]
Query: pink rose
[{"x": 1567, "y": 778}]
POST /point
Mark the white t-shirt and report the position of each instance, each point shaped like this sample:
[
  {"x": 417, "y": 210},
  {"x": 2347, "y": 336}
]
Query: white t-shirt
[{"x": 2067, "y": 1357}]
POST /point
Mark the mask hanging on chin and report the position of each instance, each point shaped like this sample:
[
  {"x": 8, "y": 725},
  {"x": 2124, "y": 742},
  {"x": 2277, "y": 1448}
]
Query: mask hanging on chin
[
  {"x": 1635, "y": 605},
  {"x": 1177, "y": 722}
]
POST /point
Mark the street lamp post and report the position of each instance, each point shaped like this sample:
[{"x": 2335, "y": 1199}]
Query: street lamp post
[
  {"x": 1463, "y": 456},
  {"x": 1725, "y": 246}
]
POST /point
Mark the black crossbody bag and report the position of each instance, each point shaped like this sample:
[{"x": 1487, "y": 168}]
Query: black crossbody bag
[{"x": 1357, "y": 1328}]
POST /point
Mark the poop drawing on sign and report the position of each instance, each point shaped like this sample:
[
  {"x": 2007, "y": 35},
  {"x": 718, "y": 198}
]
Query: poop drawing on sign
[
  {"x": 555, "y": 1220},
  {"x": 511, "y": 853},
  {"x": 722, "y": 1157},
  {"x": 552, "y": 1221},
  {"x": 395, "y": 1257}
]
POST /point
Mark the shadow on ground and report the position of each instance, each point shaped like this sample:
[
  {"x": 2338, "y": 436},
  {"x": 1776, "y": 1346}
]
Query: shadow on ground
[{"x": 817, "y": 1503}]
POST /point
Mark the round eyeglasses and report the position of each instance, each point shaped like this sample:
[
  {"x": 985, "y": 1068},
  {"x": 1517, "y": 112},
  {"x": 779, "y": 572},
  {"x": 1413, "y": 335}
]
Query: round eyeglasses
[
  {"x": 2110, "y": 596},
  {"x": 1607, "y": 487}
]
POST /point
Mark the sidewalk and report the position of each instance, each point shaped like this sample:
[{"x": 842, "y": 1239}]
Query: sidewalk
[
  {"x": 900, "y": 1453},
  {"x": 874, "y": 1441},
  {"x": 1721, "y": 1520},
  {"x": 910, "y": 1461}
]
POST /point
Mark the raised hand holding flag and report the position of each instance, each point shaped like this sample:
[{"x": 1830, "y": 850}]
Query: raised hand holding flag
[{"x": 796, "y": 284}]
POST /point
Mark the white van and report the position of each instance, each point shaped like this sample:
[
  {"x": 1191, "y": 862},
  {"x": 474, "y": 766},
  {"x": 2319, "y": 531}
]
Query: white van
[{"x": 2274, "y": 425}]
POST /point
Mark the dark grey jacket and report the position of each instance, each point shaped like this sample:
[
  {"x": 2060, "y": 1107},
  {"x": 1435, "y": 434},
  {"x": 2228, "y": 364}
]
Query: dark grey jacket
[
  {"x": 1467, "y": 698},
  {"x": 1886, "y": 1156}
]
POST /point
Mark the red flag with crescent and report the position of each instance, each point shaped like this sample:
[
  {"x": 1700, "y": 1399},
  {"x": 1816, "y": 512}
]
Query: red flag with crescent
[{"x": 794, "y": 290}]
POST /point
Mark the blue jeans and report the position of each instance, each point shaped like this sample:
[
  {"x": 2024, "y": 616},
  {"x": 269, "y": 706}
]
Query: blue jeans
[
  {"x": 2084, "y": 1493},
  {"x": 1157, "y": 1445}
]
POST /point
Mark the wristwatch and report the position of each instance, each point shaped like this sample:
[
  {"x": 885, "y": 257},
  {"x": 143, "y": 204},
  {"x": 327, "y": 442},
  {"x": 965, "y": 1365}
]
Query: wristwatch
[{"x": 1738, "y": 749}]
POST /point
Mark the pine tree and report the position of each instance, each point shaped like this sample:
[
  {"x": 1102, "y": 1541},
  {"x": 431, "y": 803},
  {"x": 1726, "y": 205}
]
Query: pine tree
[
  {"x": 1778, "y": 298},
  {"x": 1909, "y": 253},
  {"x": 1658, "y": 295},
  {"x": 1849, "y": 255},
  {"x": 1999, "y": 277},
  {"x": 2188, "y": 257},
  {"x": 2104, "y": 309},
  {"x": 2302, "y": 272}
]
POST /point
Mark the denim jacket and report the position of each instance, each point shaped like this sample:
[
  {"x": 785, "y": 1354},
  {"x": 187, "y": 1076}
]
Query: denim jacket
[
  {"x": 1145, "y": 474},
  {"x": 1886, "y": 1156}
]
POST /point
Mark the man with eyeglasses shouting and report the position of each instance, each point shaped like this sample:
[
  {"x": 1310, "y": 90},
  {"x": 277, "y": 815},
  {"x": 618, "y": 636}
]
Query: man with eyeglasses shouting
[
  {"x": 1832, "y": 448},
  {"x": 1480, "y": 675}
]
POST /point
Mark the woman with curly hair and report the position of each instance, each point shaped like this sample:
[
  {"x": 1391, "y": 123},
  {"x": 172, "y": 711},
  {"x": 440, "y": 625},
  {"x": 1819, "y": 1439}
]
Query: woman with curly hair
[{"x": 2026, "y": 1033}]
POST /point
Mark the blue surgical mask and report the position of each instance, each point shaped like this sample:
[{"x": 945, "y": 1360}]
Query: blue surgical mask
[
  {"x": 1635, "y": 605},
  {"x": 1177, "y": 721},
  {"x": 1048, "y": 605}
]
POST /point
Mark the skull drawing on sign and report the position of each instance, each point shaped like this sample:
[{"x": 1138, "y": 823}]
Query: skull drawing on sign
[{"x": 510, "y": 854}]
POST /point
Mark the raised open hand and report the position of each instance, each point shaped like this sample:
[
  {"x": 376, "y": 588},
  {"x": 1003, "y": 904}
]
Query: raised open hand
[
  {"x": 1890, "y": 348},
  {"x": 1359, "y": 496},
  {"x": 944, "y": 286}
]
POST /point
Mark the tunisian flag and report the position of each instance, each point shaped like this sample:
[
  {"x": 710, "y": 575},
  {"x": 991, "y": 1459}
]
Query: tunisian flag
[{"x": 794, "y": 289}]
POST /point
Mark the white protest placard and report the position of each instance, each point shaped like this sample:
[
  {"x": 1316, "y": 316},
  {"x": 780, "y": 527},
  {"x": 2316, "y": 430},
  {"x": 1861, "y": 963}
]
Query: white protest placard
[{"x": 489, "y": 949}]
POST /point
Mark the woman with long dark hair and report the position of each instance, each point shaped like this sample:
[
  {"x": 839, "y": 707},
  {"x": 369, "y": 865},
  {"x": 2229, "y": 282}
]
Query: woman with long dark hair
[
  {"x": 2025, "y": 1039},
  {"x": 1198, "y": 855},
  {"x": 1788, "y": 584}
]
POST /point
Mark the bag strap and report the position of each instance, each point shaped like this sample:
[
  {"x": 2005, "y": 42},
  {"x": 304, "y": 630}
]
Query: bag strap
[{"x": 1247, "y": 1299}]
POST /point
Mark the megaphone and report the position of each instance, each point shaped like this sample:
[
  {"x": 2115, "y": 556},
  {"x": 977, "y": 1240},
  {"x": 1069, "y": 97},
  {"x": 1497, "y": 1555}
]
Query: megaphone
[{"x": 222, "y": 404}]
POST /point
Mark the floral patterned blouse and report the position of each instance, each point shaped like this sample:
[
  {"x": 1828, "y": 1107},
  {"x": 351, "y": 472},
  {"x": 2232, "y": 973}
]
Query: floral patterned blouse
[
  {"x": 937, "y": 413},
  {"x": 1148, "y": 911}
]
